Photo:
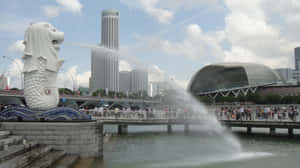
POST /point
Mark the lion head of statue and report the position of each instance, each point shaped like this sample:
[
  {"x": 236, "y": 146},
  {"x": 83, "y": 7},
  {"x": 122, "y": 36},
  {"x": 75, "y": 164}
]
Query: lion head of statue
[{"x": 42, "y": 40}]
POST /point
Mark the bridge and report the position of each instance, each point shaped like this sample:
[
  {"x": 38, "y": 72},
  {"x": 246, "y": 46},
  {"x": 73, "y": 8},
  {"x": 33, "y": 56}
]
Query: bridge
[
  {"x": 272, "y": 125},
  {"x": 20, "y": 94},
  {"x": 235, "y": 91},
  {"x": 123, "y": 119}
]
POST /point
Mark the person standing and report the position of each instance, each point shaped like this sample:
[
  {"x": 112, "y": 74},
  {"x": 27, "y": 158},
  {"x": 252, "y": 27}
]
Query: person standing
[{"x": 242, "y": 112}]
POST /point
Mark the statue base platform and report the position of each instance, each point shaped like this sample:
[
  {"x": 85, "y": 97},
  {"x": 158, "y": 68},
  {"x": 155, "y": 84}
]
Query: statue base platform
[
  {"x": 83, "y": 138},
  {"x": 18, "y": 113}
]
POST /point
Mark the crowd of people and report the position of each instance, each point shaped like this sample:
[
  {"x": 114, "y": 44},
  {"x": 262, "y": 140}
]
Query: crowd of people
[
  {"x": 257, "y": 112},
  {"x": 120, "y": 113},
  {"x": 141, "y": 113}
]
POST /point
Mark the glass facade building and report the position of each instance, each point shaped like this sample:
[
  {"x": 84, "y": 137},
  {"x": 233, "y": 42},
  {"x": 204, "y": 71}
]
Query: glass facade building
[{"x": 231, "y": 75}]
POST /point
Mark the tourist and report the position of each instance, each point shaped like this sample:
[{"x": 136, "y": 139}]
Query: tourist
[
  {"x": 275, "y": 114},
  {"x": 242, "y": 113}
]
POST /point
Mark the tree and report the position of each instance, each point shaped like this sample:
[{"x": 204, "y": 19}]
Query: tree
[
  {"x": 289, "y": 100},
  {"x": 99, "y": 92},
  {"x": 254, "y": 98},
  {"x": 273, "y": 99},
  {"x": 65, "y": 91}
]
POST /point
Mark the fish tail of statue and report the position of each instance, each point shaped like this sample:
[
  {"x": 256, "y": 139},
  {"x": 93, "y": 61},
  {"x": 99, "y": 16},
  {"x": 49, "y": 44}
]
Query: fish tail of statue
[{"x": 39, "y": 88}]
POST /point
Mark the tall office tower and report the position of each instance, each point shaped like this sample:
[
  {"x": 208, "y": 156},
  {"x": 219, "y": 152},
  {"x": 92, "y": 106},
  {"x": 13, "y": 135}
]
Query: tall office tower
[
  {"x": 3, "y": 82},
  {"x": 110, "y": 29},
  {"x": 139, "y": 80},
  {"x": 124, "y": 81},
  {"x": 297, "y": 58},
  {"x": 105, "y": 69},
  {"x": 105, "y": 59}
]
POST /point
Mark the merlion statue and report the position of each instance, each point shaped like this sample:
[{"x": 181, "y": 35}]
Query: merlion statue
[{"x": 41, "y": 65}]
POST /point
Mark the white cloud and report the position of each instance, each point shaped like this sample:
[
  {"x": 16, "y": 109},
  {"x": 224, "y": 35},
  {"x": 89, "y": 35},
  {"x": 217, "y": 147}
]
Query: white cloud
[
  {"x": 164, "y": 10},
  {"x": 17, "y": 48},
  {"x": 195, "y": 45},
  {"x": 14, "y": 73},
  {"x": 254, "y": 31},
  {"x": 73, "y": 6},
  {"x": 72, "y": 79},
  {"x": 51, "y": 11},
  {"x": 150, "y": 7},
  {"x": 253, "y": 37},
  {"x": 190, "y": 4},
  {"x": 156, "y": 74},
  {"x": 124, "y": 66}
]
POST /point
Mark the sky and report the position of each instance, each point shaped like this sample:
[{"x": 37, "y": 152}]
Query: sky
[{"x": 177, "y": 37}]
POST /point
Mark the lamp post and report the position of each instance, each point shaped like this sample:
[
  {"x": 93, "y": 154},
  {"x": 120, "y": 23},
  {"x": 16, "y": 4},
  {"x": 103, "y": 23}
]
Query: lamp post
[{"x": 20, "y": 69}]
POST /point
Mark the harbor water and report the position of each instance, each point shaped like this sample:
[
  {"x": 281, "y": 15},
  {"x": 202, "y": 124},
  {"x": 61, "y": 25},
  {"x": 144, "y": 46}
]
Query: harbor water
[{"x": 152, "y": 147}]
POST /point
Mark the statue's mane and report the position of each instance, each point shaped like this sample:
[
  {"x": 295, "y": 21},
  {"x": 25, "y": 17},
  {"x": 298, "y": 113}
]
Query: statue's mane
[{"x": 38, "y": 45}]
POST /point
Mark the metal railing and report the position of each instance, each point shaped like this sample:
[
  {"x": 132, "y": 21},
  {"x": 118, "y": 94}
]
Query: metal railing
[
  {"x": 143, "y": 115},
  {"x": 282, "y": 113}
]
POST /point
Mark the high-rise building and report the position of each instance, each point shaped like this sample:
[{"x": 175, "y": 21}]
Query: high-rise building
[
  {"x": 139, "y": 80},
  {"x": 105, "y": 69},
  {"x": 125, "y": 83},
  {"x": 110, "y": 29},
  {"x": 105, "y": 58},
  {"x": 297, "y": 58},
  {"x": 3, "y": 82}
]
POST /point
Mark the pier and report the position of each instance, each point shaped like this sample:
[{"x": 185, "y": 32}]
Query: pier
[{"x": 272, "y": 125}]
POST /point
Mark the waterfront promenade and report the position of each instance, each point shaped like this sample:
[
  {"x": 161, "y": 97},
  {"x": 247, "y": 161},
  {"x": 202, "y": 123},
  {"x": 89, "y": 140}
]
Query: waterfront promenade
[{"x": 247, "y": 116}]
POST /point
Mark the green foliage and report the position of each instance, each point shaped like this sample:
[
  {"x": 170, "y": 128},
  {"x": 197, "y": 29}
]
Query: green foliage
[
  {"x": 273, "y": 99},
  {"x": 241, "y": 98},
  {"x": 205, "y": 99},
  {"x": 100, "y": 92},
  {"x": 65, "y": 91},
  {"x": 112, "y": 94},
  {"x": 255, "y": 98},
  {"x": 288, "y": 100}
]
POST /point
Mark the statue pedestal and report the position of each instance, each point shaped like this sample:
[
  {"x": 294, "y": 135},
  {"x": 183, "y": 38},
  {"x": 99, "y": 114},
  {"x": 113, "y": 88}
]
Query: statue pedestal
[
  {"x": 82, "y": 138},
  {"x": 18, "y": 113}
]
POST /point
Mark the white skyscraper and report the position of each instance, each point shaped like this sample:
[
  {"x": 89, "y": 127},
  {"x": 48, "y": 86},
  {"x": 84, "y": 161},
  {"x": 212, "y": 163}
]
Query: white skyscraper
[
  {"x": 105, "y": 69},
  {"x": 139, "y": 80},
  {"x": 105, "y": 59},
  {"x": 110, "y": 29},
  {"x": 125, "y": 83}
]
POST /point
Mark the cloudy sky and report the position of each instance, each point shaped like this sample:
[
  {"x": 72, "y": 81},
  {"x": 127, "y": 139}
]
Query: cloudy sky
[{"x": 174, "y": 36}]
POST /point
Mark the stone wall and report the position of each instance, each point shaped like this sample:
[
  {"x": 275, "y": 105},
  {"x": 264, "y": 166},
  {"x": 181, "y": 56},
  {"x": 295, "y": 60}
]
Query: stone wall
[{"x": 82, "y": 138}]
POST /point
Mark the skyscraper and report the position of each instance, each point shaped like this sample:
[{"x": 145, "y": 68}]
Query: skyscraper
[
  {"x": 110, "y": 29},
  {"x": 105, "y": 69},
  {"x": 297, "y": 58},
  {"x": 105, "y": 59},
  {"x": 139, "y": 80},
  {"x": 125, "y": 83}
]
